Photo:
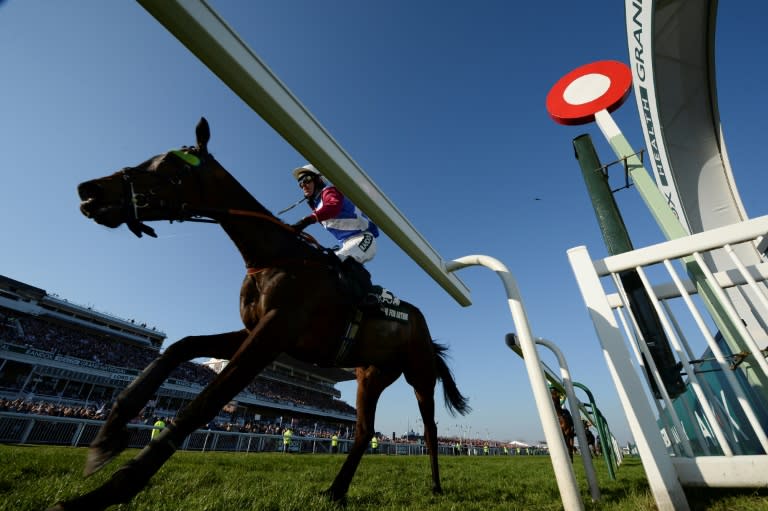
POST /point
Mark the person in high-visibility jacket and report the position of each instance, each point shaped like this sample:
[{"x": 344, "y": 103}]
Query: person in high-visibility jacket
[
  {"x": 287, "y": 434},
  {"x": 374, "y": 445},
  {"x": 486, "y": 449},
  {"x": 157, "y": 427},
  {"x": 334, "y": 443}
]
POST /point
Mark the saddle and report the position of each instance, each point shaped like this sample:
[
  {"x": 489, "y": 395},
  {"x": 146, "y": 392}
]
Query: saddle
[{"x": 366, "y": 300}]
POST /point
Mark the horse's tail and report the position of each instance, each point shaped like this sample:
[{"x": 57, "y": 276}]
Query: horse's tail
[{"x": 454, "y": 400}]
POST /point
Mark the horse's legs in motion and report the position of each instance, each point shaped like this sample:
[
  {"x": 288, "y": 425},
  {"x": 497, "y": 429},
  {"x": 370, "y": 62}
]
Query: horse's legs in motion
[
  {"x": 256, "y": 352},
  {"x": 371, "y": 382},
  {"x": 113, "y": 435},
  {"x": 425, "y": 395},
  {"x": 421, "y": 373}
]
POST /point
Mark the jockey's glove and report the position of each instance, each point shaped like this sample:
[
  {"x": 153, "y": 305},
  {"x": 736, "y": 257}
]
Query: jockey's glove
[{"x": 303, "y": 223}]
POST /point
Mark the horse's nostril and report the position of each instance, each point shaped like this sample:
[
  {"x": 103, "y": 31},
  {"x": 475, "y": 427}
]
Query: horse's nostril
[
  {"x": 85, "y": 209},
  {"x": 87, "y": 190}
]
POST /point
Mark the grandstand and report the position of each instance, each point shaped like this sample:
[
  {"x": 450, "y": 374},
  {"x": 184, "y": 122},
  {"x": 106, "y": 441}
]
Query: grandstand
[{"x": 56, "y": 355}]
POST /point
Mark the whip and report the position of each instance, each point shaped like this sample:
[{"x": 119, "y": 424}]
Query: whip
[{"x": 292, "y": 206}]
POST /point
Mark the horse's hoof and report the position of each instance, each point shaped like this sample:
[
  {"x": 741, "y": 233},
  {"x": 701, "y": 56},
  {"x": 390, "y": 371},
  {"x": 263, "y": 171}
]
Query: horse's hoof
[
  {"x": 104, "y": 450},
  {"x": 59, "y": 506}
]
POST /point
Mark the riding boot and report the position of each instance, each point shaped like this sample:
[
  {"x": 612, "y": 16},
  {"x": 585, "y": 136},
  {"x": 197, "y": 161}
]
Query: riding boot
[
  {"x": 349, "y": 337},
  {"x": 355, "y": 279}
]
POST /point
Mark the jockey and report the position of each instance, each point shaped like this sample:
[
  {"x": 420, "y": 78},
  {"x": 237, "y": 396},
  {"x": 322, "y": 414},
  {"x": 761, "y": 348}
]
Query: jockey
[{"x": 354, "y": 231}]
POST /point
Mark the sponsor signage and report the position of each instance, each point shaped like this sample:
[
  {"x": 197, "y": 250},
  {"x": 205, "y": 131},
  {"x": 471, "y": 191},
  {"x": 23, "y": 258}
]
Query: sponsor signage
[{"x": 640, "y": 43}]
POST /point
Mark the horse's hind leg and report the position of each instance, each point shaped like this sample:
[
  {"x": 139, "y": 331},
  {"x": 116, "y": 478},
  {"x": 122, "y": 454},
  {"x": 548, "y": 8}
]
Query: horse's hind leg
[
  {"x": 421, "y": 373},
  {"x": 112, "y": 438},
  {"x": 371, "y": 382},
  {"x": 425, "y": 395}
]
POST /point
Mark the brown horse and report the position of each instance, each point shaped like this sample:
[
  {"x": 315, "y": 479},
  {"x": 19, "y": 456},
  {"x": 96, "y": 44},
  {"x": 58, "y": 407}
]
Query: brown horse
[
  {"x": 566, "y": 422},
  {"x": 292, "y": 301}
]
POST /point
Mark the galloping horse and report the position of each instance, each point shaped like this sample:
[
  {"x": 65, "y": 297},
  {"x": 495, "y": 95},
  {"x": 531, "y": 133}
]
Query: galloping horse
[
  {"x": 292, "y": 301},
  {"x": 566, "y": 422}
]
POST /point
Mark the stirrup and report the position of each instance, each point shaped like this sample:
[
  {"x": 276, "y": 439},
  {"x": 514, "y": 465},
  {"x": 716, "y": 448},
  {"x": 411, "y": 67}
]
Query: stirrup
[{"x": 349, "y": 338}]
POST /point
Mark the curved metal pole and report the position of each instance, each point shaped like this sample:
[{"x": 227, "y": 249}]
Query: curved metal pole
[
  {"x": 573, "y": 404},
  {"x": 599, "y": 421},
  {"x": 561, "y": 460}
]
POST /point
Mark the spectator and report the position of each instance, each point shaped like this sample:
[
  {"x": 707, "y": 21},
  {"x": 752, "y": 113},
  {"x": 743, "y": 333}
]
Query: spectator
[
  {"x": 335, "y": 443},
  {"x": 287, "y": 434},
  {"x": 157, "y": 427}
]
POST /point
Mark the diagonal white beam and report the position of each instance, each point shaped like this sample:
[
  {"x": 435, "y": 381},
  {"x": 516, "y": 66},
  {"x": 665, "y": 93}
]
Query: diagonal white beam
[{"x": 196, "y": 25}]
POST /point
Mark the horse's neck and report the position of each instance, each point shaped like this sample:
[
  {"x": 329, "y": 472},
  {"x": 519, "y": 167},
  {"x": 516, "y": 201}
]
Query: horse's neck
[{"x": 244, "y": 221}]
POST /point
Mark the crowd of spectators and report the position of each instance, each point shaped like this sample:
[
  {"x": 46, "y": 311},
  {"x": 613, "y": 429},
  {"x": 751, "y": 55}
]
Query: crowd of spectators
[
  {"x": 280, "y": 392},
  {"x": 60, "y": 340},
  {"x": 52, "y": 409},
  {"x": 63, "y": 341},
  {"x": 317, "y": 429},
  {"x": 299, "y": 427}
]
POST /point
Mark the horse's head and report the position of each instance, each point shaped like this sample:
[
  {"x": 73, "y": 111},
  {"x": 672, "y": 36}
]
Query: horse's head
[{"x": 165, "y": 187}]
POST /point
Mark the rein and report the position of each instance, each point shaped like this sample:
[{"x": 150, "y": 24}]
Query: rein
[
  {"x": 253, "y": 214},
  {"x": 284, "y": 262},
  {"x": 269, "y": 218}
]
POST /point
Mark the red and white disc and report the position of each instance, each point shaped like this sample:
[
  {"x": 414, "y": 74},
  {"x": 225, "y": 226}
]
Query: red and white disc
[{"x": 576, "y": 97}]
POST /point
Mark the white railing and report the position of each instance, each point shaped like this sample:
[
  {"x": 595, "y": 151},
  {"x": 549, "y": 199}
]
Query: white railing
[{"x": 722, "y": 416}]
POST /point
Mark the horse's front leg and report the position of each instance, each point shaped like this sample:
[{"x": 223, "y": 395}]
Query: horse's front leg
[
  {"x": 112, "y": 438},
  {"x": 371, "y": 382},
  {"x": 261, "y": 347}
]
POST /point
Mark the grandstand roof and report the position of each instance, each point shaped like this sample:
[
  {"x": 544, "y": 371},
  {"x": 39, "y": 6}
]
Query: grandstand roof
[
  {"x": 20, "y": 288},
  {"x": 33, "y": 300},
  {"x": 335, "y": 374}
]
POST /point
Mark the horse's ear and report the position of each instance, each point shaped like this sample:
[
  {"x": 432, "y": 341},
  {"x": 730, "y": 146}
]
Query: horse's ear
[{"x": 203, "y": 134}]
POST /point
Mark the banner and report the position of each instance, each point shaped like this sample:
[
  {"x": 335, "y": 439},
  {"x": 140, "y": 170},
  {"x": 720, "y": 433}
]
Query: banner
[{"x": 639, "y": 20}]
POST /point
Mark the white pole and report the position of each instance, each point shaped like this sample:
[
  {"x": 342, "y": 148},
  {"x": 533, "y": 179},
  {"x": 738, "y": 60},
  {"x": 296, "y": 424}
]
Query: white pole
[
  {"x": 561, "y": 460},
  {"x": 662, "y": 476},
  {"x": 573, "y": 404}
]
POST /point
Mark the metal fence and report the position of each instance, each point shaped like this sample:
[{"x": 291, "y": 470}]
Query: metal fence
[{"x": 21, "y": 428}]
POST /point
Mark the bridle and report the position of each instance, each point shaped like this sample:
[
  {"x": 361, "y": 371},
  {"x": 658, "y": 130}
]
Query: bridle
[{"x": 138, "y": 203}]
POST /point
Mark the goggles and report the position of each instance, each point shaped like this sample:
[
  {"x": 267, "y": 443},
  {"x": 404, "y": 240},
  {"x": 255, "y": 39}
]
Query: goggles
[{"x": 305, "y": 179}]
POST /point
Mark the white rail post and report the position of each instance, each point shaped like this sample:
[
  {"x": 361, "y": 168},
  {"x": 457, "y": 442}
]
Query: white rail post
[
  {"x": 662, "y": 477},
  {"x": 573, "y": 404},
  {"x": 561, "y": 460}
]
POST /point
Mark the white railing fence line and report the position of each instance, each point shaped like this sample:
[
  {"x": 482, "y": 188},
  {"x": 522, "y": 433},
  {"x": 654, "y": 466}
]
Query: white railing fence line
[{"x": 721, "y": 419}]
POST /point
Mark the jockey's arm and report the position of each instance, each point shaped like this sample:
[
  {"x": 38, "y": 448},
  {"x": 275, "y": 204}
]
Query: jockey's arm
[{"x": 332, "y": 202}]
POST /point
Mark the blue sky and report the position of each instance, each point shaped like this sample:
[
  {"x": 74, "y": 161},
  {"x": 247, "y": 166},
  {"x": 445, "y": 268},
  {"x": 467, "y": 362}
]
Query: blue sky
[{"x": 441, "y": 103}]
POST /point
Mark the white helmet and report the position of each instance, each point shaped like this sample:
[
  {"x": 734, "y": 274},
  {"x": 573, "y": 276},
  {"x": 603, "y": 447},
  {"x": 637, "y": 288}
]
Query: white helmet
[{"x": 306, "y": 169}]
